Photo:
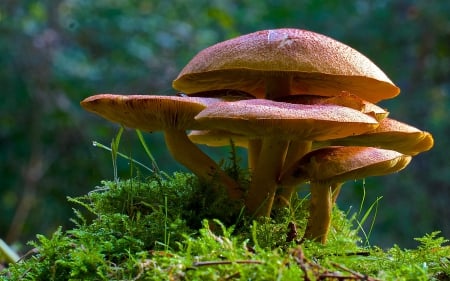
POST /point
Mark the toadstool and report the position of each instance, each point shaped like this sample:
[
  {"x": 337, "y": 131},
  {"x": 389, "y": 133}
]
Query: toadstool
[
  {"x": 327, "y": 168},
  {"x": 172, "y": 115},
  {"x": 299, "y": 148},
  {"x": 278, "y": 62},
  {"x": 343, "y": 99},
  {"x": 276, "y": 123}
]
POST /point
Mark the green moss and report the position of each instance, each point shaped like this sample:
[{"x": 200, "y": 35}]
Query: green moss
[{"x": 166, "y": 228}]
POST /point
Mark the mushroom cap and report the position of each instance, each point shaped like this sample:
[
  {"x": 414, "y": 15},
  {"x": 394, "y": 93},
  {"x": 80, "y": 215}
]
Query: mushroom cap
[
  {"x": 344, "y": 99},
  {"x": 391, "y": 134},
  {"x": 148, "y": 113},
  {"x": 318, "y": 65},
  {"x": 341, "y": 163},
  {"x": 260, "y": 118}
]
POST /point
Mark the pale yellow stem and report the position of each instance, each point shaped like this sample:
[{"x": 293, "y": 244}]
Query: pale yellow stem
[
  {"x": 263, "y": 186},
  {"x": 295, "y": 151},
  {"x": 254, "y": 149},
  {"x": 319, "y": 212},
  {"x": 278, "y": 86},
  {"x": 268, "y": 163},
  {"x": 190, "y": 156}
]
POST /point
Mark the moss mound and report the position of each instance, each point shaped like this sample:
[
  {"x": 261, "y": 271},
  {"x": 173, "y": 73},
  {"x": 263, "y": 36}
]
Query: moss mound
[{"x": 170, "y": 228}]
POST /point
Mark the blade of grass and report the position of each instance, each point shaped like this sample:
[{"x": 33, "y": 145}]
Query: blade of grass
[
  {"x": 8, "y": 253},
  {"x": 114, "y": 150},
  {"x": 97, "y": 144},
  {"x": 166, "y": 233},
  {"x": 360, "y": 222},
  {"x": 363, "y": 197},
  {"x": 374, "y": 204},
  {"x": 147, "y": 150}
]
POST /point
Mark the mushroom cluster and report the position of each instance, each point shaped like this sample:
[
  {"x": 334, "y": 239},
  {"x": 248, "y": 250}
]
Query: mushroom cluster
[{"x": 303, "y": 105}]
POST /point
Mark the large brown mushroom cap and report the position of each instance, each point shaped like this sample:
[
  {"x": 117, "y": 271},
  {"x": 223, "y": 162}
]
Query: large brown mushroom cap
[
  {"x": 264, "y": 118},
  {"x": 316, "y": 63},
  {"x": 148, "y": 113}
]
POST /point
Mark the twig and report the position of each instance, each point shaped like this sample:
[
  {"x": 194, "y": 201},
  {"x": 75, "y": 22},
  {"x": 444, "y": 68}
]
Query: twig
[
  {"x": 209, "y": 263},
  {"x": 361, "y": 253},
  {"x": 321, "y": 273},
  {"x": 358, "y": 275}
]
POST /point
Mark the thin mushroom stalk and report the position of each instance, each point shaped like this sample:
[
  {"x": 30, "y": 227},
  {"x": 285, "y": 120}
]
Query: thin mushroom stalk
[
  {"x": 296, "y": 150},
  {"x": 267, "y": 157},
  {"x": 260, "y": 197},
  {"x": 321, "y": 204},
  {"x": 323, "y": 198},
  {"x": 254, "y": 149},
  {"x": 189, "y": 155},
  {"x": 278, "y": 86}
]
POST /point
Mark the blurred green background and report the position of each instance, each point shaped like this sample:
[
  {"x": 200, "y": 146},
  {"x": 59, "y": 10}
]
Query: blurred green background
[{"x": 55, "y": 53}]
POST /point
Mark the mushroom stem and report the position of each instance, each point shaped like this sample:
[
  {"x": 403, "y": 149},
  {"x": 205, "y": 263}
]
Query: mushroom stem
[
  {"x": 254, "y": 149},
  {"x": 266, "y": 159},
  {"x": 295, "y": 151},
  {"x": 262, "y": 189},
  {"x": 319, "y": 212},
  {"x": 278, "y": 86},
  {"x": 189, "y": 155}
]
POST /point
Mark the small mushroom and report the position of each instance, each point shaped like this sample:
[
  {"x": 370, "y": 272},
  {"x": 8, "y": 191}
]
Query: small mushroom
[
  {"x": 299, "y": 148},
  {"x": 276, "y": 123},
  {"x": 279, "y": 62},
  {"x": 327, "y": 168},
  {"x": 173, "y": 115}
]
